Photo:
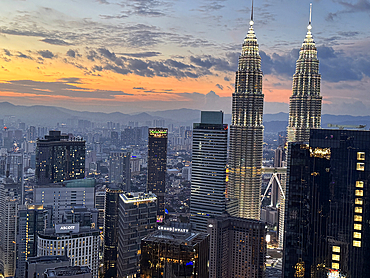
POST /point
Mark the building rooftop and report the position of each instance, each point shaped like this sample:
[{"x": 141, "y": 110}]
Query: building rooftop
[
  {"x": 67, "y": 271},
  {"x": 70, "y": 184},
  {"x": 176, "y": 235},
  {"x": 47, "y": 259},
  {"x": 134, "y": 197}
]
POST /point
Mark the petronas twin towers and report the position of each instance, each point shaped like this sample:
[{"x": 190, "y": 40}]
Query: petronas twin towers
[{"x": 246, "y": 130}]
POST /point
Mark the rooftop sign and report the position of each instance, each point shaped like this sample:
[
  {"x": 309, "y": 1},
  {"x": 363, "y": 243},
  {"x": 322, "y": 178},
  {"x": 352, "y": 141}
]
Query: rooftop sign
[
  {"x": 67, "y": 228},
  {"x": 173, "y": 229}
]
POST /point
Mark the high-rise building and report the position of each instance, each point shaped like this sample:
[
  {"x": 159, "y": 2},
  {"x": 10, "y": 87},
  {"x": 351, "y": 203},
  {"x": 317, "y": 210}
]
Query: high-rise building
[
  {"x": 59, "y": 158},
  {"x": 100, "y": 206},
  {"x": 327, "y": 209},
  {"x": 237, "y": 247},
  {"x": 305, "y": 102},
  {"x": 111, "y": 231},
  {"x": 208, "y": 176},
  {"x": 157, "y": 162},
  {"x": 65, "y": 195},
  {"x": 174, "y": 251},
  {"x": 9, "y": 203},
  {"x": 31, "y": 220},
  {"x": 79, "y": 243},
  {"x": 246, "y": 131},
  {"x": 119, "y": 169},
  {"x": 137, "y": 216}
]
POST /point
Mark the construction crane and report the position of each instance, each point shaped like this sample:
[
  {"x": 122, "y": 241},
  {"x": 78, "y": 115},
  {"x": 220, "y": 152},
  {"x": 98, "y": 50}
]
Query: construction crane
[{"x": 347, "y": 126}]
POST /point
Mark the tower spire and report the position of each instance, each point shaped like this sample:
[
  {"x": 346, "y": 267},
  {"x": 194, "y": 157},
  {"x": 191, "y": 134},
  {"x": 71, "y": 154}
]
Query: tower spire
[
  {"x": 310, "y": 14},
  {"x": 251, "y": 22},
  {"x": 252, "y": 12}
]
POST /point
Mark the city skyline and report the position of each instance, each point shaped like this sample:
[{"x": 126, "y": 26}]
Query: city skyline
[{"x": 139, "y": 56}]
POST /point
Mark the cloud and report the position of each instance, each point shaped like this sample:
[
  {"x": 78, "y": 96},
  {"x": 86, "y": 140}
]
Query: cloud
[
  {"x": 138, "y": 88},
  {"x": 335, "y": 65},
  {"x": 71, "y": 53},
  {"x": 63, "y": 87},
  {"x": 7, "y": 52},
  {"x": 142, "y": 54},
  {"x": 55, "y": 41},
  {"x": 46, "y": 54},
  {"x": 349, "y": 7},
  {"x": 21, "y": 55},
  {"x": 220, "y": 86}
]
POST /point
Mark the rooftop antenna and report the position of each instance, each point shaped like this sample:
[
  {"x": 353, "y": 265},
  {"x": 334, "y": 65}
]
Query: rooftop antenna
[{"x": 310, "y": 14}]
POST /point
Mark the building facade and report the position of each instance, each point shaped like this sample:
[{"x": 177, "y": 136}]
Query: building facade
[
  {"x": 305, "y": 102},
  {"x": 31, "y": 220},
  {"x": 65, "y": 195},
  {"x": 327, "y": 205},
  {"x": 59, "y": 158},
  {"x": 237, "y": 247},
  {"x": 246, "y": 132},
  {"x": 174, "y": 252},
  {"x": 208, "y": 177},
  {"x": 81, "y": 245},
  {"x": 111, "y": 231},
  {"x": 119, "y": 169},
  {"x": 157, "y": 163},
  {"x": 137, "y": 216},
  {"x": 9, "y": 204}
]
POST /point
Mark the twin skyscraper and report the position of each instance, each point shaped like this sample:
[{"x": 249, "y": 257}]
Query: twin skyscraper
[{"x": 246, "y": 131}]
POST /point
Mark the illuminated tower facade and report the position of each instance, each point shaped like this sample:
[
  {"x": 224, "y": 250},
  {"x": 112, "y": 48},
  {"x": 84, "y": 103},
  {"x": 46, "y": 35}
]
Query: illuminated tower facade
[
  {"x": 157, "y": 163},
  {"x": 246, "y": 132},
  {"x": 305, "y": 103}
]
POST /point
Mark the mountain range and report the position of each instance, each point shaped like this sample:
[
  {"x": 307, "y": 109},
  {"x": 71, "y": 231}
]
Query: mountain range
[{"x": 49, "y": 116}]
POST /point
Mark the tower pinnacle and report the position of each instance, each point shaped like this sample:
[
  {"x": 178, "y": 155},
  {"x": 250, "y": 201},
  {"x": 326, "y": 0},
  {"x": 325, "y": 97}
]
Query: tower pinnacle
[{"x": 251, "y": 22}]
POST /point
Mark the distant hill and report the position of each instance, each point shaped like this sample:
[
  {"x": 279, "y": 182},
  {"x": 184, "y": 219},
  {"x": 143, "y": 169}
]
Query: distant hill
[{"x": 39, "y": 115}]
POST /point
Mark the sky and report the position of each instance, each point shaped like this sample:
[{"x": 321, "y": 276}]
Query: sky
[{"x": 151, "y": 55}]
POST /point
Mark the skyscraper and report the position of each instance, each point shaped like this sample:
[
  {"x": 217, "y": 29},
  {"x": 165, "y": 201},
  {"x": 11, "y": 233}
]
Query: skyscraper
[
  {"x": 157, "y": 162},
  {"x": 208, "y": 178},
  {"x": 111, "y": 231},
  {"x": 59, "y": 158},
  {"x": 9, "y": 204},
  {"x": 137, "y": 216},
  {"x": 305, "y": 102},
  {"x": 31, "y": 220},
  {"x": 237, "y": 247},
  {"x": 119, "y": 169},
  {"x": 246, "y": 131},
  {"x": 327, "y": 205}
]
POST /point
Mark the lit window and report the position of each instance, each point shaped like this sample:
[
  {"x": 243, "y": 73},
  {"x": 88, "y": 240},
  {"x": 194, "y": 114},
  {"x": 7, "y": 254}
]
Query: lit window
[
  {"x": 358, "y": 209},
  {"x": 336, "y": 249},
  {"x": 357, "y": 227},
  {"x": 360, "y": 184},
  {"x": 335, "y": 266},
  {"x": 356, "y": 243},
  {"x": 358, "y": 201},
  {"x": 360, "y": 156},
  {"x": 335, "y": 257},
  {"x": 358, "y": 218},
  {"x": 360, "y": 166},
  {"x": 359, "y": 192},
  {"x": 356, "y": 235}
]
